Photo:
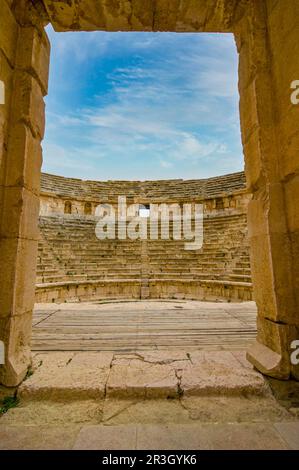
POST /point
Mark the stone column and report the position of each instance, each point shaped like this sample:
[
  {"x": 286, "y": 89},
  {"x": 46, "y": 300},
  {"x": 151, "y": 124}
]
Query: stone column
[
  {"x": 24, "y": 61},
  {"x": 272, "y": 255}
]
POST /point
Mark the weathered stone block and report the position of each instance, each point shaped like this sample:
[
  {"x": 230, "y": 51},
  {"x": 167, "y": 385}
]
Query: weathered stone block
[
  {"x": 290, "y": 150},
  {"x": 6, "y": 75},
  {"x": 16, "y": 334},
  {"x": 8, "y": 32},
  {"x": 268, "y": 361},
  {"x": 257, "y": 214},
  {"x": 271, "y": 4},
  {"x": 269, "y": 244},
  {"x": 28, "y": 103},
  {"x": 34, "y": 55},
  {"x": 144, "y": 15},
  {"x": 213, "y": 373},
  {"x": 294, "y": 238},
  {"x": 271, "y": 354},
  {"x": 17, "y": 277},
  {"x": 131, "y": 376},
  {"x": 254, "y": 168},
  {"x": 283, "y": 279},
  {"x": 68, "y": 375},
  {"x": 20, "y": 214},
  {"x": 282, "y": 18},
  {"x": 166, "y": 15},
  {"x": 25, "y": 159},
  {"x": 262, "y": 276},
  {"x": 248, "y": 113},
  {"x": 272, "y": 334},
  {"x": 292, "y": 203}
]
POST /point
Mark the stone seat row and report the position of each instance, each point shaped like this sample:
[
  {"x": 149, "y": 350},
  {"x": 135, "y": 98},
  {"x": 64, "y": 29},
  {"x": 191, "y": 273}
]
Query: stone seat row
[{"x": 69, "y": 250}]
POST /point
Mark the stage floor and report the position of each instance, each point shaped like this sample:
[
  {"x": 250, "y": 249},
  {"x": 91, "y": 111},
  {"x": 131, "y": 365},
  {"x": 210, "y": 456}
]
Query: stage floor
[{"x": 143, "y": 325}]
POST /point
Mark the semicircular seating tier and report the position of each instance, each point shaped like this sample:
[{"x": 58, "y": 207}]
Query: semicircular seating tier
[{"x": 73, "y": 264}]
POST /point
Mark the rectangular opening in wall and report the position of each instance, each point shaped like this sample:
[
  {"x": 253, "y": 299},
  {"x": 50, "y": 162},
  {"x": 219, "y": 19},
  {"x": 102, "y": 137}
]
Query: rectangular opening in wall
[{"x": 135, "y": 119}]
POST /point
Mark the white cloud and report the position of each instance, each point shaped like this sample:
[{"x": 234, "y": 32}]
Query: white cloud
[
  {"x": 78, "y": 46},
  {"x": 165, "y": 164},
  {"x": 168, "y": 107},
  {"x": 190, "y": 148}
]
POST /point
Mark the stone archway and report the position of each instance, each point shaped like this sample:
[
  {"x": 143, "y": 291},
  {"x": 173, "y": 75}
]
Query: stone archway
[{"x": 267, "y": 41}]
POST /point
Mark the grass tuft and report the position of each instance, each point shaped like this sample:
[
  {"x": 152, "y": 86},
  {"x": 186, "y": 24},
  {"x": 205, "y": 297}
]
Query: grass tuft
[{"x": 8, "y": 403}]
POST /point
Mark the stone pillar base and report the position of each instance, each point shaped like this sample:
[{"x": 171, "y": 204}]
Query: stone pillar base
[{"x": 268, "y": 362}]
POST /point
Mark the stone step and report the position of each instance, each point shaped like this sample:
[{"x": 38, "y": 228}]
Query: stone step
[
  {"x": 238, "y": 277},
  {"x": 158, "y": 374},
  {"x": 242, "y": 271},
  {"x": 70, "y": 251}
]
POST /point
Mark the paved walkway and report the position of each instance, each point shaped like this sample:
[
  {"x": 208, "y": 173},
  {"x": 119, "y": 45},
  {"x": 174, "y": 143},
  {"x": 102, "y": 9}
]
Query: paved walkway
[
  {"x": 144, "y": 325},
  {"x": 215, "y": 422},
  {"x": 148, "y": 375},
  {"x": 232, "y": 436},
  {"x": 162, "y": 400}
]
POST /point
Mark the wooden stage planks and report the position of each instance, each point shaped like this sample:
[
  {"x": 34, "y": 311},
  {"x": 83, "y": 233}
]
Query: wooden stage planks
[{"x": 137, "y": 326}]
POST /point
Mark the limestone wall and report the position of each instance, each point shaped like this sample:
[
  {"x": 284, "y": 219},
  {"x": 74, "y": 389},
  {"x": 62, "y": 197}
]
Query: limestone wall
[
  {"x": 24, "y": 63},
  {"x": 74, "y": 264},
  {"x": 266, "y": 34},
  {"x": 224, "y": 192}
]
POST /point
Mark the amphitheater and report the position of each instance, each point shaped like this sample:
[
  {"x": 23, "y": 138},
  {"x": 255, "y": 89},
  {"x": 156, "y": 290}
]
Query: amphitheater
[
  {"x": 74, "y": 265},
  {"x": 142, "y": 344}
]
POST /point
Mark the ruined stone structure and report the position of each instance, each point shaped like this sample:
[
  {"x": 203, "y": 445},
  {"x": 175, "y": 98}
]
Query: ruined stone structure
[
  {"x": 74, "y": 265},
  {"x": 61, "y": 195},
  {"x": 267, "y": 38}
]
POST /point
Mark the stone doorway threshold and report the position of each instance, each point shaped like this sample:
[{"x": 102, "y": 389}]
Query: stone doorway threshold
[
  {"x": 158, "y": 374},
  {"x": 157, "y": 400}
]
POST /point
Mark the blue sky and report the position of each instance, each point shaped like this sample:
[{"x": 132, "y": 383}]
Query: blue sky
[{"x": 142, "y": 106}]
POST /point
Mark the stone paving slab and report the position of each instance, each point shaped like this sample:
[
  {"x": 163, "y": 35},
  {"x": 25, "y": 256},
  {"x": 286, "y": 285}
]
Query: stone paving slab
[
  {"x": 290, "y": 433},
  {"x": 262, "y": 436},
  {"x": 67, "y": 376},
  {"x": 38, "y": 437},
  {"x": 209, "y": 436},
  {"x": 212, "y": 422},
  {"x": 168, "y": 374},
  {"x": 200, "y": 373},
  {"x": 107, "y": 437},
  {"x": 219, "y": 373},
  {"x": 186, "y": 410},
  {"x": 148, "y": 437},
  {"x": 146, "y": 375},
  {"x": 54, "y": 413}
]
